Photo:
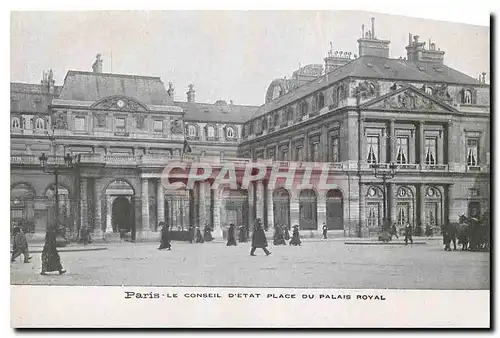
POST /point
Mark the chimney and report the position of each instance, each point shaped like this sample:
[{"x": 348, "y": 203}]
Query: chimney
[
  {"x": 170, "y": 90},
  {"x": 369, "y": 44},
  {"x": 484, "y": 77},
  {"x": 48, "y": 81},
  {"x": 190, "y": 93},
  {"x": 416, "y": 51},
  {"x": 97, "y": 66},
  {"x": 336, "y": 59}
]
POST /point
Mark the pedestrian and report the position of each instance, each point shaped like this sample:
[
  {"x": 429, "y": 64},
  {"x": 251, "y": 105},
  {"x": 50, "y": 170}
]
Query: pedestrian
[
  {"x": 295, "y": 236},
  {"x": 165, "y": 237},
  {"x": 207, "y": 233},
  {"x": 50, "y": 257},
  {"x": 86, "y": 239},
  {"x": 287, "y": 233},
  {"x": 325, "y": 230},
  {"x": 242, "y": 235},
  {"x": 394, "y": 231},
  {"x": 231, "y": 235},
  {"x": 408, "y": 234},
  {"x": 199, "y": 237},
  {"x": 259, "y": 239},
  {"x": 191, "y": 234},
  {"x": 20, "y": 245},
  {"x": 278, "y": 238}
]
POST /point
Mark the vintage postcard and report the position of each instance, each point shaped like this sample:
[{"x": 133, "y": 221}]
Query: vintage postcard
[{"x": 249, "y": 169}]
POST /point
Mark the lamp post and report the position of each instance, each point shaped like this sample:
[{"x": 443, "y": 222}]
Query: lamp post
[
  {"x": 384, "y": 175},
  {"x": 56, "y": 169}
]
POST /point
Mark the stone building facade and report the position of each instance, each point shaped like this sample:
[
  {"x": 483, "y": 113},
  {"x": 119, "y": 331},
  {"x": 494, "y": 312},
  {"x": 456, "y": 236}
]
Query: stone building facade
[{"x": 430, "y": 120}]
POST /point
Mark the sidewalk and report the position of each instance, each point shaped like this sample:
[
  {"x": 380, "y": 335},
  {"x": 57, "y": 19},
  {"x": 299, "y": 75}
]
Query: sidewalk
[{"x": 38, "y": 247}]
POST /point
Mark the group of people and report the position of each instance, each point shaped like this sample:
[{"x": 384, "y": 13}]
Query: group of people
[
  {"x": 51, "y": 261},
  {"x": 195, "y": 235},
  {"x": 281, "y": 235}
]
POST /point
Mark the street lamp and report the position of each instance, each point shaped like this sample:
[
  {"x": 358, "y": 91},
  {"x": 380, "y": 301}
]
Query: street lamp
[
  {"x": 384, "y": 173},
  {"x": 56, "y": 169}
]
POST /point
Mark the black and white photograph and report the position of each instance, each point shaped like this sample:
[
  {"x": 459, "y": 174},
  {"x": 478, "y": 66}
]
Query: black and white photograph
[{"x": 239, "y": 150}]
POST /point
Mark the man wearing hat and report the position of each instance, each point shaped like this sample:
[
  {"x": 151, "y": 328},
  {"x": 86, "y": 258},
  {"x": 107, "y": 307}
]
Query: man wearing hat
[
  {"x": 259, "y": 239},
  {"x": 20, "y": 245},
  {"x": 325, "y": 230}
]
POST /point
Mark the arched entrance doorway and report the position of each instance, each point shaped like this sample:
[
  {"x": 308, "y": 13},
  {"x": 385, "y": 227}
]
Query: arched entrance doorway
[
  {"x": 176, "y": 210},
  {"x": 233, "y": 207},
  {"x": 22, "y": 206},
  {"x": 334, "y": 210},
  {"x": 308, "y": 210},
  {"x": 120, "y": 214},
  {"x": 281, "y": 207}
]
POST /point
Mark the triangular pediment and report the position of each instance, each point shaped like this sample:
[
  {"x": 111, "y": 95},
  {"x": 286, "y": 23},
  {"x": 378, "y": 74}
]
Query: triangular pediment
[
  {"x": 408, "y": 98},
  {"x": 121, "y": 103}
]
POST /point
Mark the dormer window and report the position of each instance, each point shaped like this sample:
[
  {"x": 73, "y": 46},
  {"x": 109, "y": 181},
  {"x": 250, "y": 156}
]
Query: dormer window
[
  {"x": 191, "y": 130},
  {"x": 211, "y": 132},
  {"x": 16, "y": 123},
  {"x": 39, "y": 124},
  {"x": 230, "y": 133}
]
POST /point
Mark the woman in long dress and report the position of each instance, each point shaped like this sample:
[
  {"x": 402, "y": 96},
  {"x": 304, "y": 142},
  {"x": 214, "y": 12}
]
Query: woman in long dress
[
  {"x": 231, "y": 236},
  {"x": 295, "y": 236},
  {"x": 287, "y": 233},
  {"x": 50, "y": 257},
  {"x": 242, "y": 236},
  {"x": 199, "y": 237},
  {"x": 165, "y": 237}
]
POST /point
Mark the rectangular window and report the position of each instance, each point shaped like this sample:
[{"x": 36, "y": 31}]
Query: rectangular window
[
  {"x": 120, "y": 123},
  {"x": 315, "y": 152},
  {"x": 430, "y": 150},
  {"x": 372, "y": 149},
  {"x": 298, "y": 154},
  {"x": 284, "y": 155},
  {"x": 335, "y": 150},
  {"x": 472, "y": 151},
  {"x": 80, "y": 123},
  {"x": 158, "y": 125},
  {"x": 402, "y": 150},
  {"x": 373, "y": 215}
]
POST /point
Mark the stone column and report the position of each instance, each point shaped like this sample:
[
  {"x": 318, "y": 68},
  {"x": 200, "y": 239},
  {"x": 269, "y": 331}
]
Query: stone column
[
  {"x": 109, "y": 213},
  {"x": 83, "y": 202},
  {"x": 392, "y": 142},
  {"x": 145, "y": 204},
  {"x": 324, "y": 144},
  {"x": 363, "y": 229},
  {"x": 270, "y": 207},
  {"x": 251, "y": 205},
  {"x": 421, "y": 141},
  {"x": 361, "y": 151},
  {"x": 448, "y": 204},
  {"x": 321, "y": 211},
  {"x": 98, "y": 206},
  {"x": 421, "y": 203},
  {"x": 160, "y": 202},
  {"x": 391, "y": 202},
  {"x": 217, "y": 233},
  {"x": 204, "y": 203},
  {"x": 259, "y": 201}
]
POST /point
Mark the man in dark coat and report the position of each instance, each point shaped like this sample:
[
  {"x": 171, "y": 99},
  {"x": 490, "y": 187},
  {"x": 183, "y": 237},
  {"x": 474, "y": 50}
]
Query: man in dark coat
[
  {"x": 165, "y": 237},
  {"x": 50, "y": 257},
  {"x": 20, "y": 245},
  {"x": 192, "y": 233},
  {"x": 199, "y": 237},
  {"x": 286, "y": 233},
  {"x": 325, "y": 230},
  {"x": 295, "y": 236},
  {"x": 242, "y": 236},
  {"x": 408, "y": 234},
  {"x": 207, "y": 233},
  {"x": 259, "y": 239},
  {"x": 231, "y": 235}
]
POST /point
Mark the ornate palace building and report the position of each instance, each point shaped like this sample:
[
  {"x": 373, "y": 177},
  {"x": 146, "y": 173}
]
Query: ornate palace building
[{"x": 428, "y": 119}]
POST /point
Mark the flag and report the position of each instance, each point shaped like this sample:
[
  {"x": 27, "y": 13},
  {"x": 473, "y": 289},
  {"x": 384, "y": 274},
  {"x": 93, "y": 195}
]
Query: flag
[{"x": 187, "y": 148}]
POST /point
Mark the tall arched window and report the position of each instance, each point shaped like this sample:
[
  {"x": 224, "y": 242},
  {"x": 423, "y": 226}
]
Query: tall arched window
[
  {"x": 467, "y": 96},
  {"x": 15, "y": 123},
  {"x": 191, "y": 130},
  {"x": 230, "y": 132},
  {"x": 39, "y": 124},
  {"x": 321, "y": 101},
  {"x": 210, "y": 131},
  {"x": 303, "y": 108}
]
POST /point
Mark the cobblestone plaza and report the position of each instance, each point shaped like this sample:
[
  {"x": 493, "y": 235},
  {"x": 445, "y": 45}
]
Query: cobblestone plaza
[{"x": 316, "y": 264}]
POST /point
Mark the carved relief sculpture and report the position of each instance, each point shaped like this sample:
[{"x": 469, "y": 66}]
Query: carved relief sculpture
[
  {"x": 118, "y": 103},
  {"x": 177, "y": 127},
  {"x": 408, "y": 100},
  {"x": 100, "y": 120},
  {"x": 366, "y": 89},
  {"x": 442, "y": 93}
]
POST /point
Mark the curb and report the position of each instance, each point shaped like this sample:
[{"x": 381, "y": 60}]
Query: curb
[
  {"x": 382, "y": 243},
  {"x": 72, "y": 250}
]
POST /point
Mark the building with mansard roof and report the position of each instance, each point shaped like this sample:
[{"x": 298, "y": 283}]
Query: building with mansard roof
[{"x": 355, "y": 110}]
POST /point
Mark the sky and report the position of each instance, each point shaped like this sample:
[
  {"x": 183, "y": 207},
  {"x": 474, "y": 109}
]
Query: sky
[{"x": 227, "y": 55}]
